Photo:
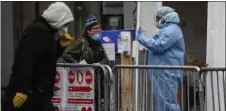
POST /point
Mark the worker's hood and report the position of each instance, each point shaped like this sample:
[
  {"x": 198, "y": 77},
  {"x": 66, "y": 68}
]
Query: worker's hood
[
  {"x": 58, "y": 14},
  {"x": 168, "y": 14},
  {"x": 172, "y": 18}
]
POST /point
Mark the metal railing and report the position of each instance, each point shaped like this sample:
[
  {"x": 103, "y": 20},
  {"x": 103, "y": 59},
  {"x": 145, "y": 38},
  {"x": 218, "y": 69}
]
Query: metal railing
[
  {"x": 144, "y": 100},
  {"x": 187, "y": 87},
  {"x": 102, "y": 70},
  {"x": 213, "y": 89}
]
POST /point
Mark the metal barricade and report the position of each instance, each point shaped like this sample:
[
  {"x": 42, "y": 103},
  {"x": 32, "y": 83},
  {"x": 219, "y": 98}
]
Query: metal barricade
[
  {"x": 144, "y": 96},
  {"x": 111, "y": 90},
  {"x": 108, "y": 78},
  {"x": 213, "y": 89}
]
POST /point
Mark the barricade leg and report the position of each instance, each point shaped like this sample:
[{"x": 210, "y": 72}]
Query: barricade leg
[{"x": 215, "y": 91}]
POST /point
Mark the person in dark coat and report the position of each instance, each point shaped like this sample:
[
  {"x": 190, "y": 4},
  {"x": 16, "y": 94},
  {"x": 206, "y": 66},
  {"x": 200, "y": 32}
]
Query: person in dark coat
[
  {"x": 33, "y": 72},
  {"x": 90, "y": 49}
]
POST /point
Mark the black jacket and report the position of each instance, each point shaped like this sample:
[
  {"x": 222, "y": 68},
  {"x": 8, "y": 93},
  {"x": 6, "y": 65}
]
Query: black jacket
[{"x": 34, "y": 65}]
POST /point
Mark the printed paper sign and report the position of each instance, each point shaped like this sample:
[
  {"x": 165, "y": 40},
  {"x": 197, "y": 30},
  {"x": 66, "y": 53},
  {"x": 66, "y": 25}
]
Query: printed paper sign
[
  {"x": 109, "y": 50},
  {"x": 58, "y": 91},
  {"x": 80, "y": 93}
]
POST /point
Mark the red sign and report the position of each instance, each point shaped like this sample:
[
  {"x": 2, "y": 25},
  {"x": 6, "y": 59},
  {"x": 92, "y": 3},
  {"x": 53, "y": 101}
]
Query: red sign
[
  {"x": 71, "y": 77},
  {"x": 79, "y": 89},
  {"x": 79, "y": 77},
  {"x": 83, "y": 109},
  {"x": 89, "y": 109},
  {"x": 57, "y": 78},
  {"x": 56, "y": 100},
  {"x": 80, "y": 101},
  {"x": 55, "y": 89},
  {"x": 56, "y": 108},
  {"x": 89, "y": 77}
]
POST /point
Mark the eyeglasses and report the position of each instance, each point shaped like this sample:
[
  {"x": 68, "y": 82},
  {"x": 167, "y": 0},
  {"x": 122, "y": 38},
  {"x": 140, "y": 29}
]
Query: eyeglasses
[{"x": 96, "y": 28}]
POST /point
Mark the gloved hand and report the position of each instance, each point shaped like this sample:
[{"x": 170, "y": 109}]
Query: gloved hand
[
  {"x": 66, "y": 40},
  {"x": 19, "y": 99},
  {"x": 139, "y": 33}
]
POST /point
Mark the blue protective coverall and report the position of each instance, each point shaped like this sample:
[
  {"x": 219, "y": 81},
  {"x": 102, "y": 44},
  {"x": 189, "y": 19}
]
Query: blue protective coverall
[{"x": 166, "y": 47}]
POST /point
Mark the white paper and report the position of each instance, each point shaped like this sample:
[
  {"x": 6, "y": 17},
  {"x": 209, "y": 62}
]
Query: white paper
[
  {"x": 80, "y": 90},
  {"x": 110, "y": 50},
  {"x": 120, "y": 48},
  {"x": 106, "y": 39},
  {"x": 83, "y": 62},
  {"x": 125, "y": 41}
]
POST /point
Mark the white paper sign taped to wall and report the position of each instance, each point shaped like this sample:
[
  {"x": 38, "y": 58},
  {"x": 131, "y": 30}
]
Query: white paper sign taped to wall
[{"x": 110, "y": 50}]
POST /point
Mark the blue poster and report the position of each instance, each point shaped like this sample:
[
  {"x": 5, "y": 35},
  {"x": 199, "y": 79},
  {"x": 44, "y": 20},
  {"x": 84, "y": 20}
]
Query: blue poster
[{"x": 111, "y": 36}]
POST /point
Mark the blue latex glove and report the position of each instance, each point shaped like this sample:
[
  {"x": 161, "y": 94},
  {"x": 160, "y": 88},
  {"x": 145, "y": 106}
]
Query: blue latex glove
[{"x": 139, "y": 33}]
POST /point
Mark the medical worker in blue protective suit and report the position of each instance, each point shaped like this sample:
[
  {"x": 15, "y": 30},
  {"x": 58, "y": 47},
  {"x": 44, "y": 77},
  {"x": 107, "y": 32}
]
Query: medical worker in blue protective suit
[{"x": 166, "y": 47}]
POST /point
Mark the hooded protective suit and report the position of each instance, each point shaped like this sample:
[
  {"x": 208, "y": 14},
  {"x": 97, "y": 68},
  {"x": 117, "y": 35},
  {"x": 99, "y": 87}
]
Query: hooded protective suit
[
  {"x": 166, "y": 47},
  {"x": 34, "y": 68}
]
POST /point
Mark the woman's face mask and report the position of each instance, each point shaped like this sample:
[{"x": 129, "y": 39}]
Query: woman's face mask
[
  {"x": 94, "y": 32},
  {"x": 96, "y": 37}
]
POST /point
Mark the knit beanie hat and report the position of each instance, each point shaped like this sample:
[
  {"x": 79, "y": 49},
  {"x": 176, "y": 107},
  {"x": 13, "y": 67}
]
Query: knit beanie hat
[{"x": 90, "y": 22}]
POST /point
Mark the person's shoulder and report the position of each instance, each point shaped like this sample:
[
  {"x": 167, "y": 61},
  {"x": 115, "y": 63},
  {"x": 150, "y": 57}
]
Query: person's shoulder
[
  {"x": 83, "y": 40},
  {"x": 36, "y": 26},
  {"x": 173, "y": 25},
  {"x": 77, "y": 41},
  {"x": 172, "y": 28}
]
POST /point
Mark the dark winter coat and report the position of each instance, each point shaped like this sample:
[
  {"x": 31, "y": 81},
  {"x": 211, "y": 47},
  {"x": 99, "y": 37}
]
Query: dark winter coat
[
  {"x": 34, "y": 67},
  {"x": 93, "y": 51}
]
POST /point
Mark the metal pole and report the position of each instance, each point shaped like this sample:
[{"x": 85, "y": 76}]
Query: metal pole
[{"x": 136, "y": 62}]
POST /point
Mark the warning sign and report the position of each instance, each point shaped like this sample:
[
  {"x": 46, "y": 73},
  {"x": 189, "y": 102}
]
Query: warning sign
[
  {"x": 58, "y": 93},
  {"x": 89, "y": 77},
  {"x": 89, "y": 109},
  {"x": 80, "y": 94},
  {"x": 71, "y": 77},
  {"x": 57, "y": 108}
]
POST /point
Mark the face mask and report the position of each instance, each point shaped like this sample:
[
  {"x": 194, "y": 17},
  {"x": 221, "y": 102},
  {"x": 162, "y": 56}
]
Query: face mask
[
  {"x": 96, "y": 37},
  {"x": 62, "y": 30},
  {"x": 158, "y": 24}
]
